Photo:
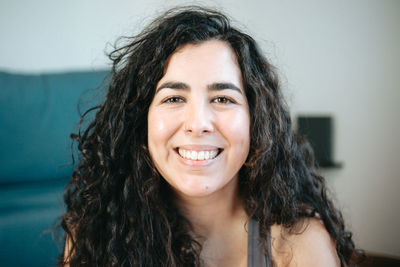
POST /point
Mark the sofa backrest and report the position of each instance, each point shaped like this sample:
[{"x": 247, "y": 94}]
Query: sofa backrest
[{"x": 37, "y": 115}]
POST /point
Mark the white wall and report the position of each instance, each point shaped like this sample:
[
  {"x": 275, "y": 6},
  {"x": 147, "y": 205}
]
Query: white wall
[{"x": 340, "y": 58}]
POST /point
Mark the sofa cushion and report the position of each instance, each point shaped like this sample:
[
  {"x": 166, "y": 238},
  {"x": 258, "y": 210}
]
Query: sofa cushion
[
  {"x": 28, "y": 212},
  {"x": 37, "y": 115}
]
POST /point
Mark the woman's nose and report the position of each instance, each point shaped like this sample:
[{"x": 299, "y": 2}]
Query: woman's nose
[{"x": 198, "y": 119}]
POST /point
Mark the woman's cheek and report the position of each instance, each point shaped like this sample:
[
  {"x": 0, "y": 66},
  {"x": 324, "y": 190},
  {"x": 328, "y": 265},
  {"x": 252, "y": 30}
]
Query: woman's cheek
[
  {"x": 162, "y": 125},
  {"x": 236, "y": 124}
]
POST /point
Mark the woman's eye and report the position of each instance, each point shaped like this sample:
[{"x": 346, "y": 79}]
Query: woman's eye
[
  {"x": 222, "y": 100},
  {"x": 174, "y": 99}
]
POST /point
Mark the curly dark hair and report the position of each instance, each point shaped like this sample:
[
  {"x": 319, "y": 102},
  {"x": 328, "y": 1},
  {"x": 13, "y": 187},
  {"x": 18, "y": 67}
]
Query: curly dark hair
[{"x": 119, "y": 209}]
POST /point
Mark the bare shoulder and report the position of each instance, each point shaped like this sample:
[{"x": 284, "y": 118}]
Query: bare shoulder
[{"x": 308, "y": 244}]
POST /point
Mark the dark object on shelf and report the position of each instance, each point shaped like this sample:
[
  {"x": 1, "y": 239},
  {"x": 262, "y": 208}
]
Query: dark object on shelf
[{"x": 318, "y": 130}]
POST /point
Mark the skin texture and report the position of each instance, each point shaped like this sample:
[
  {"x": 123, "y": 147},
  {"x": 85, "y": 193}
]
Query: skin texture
[
  {"x": 198, "y": 117},
  {"x": 311, "y": 245}
]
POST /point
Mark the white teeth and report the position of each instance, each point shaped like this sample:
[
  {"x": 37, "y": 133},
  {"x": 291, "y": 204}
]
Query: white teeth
[
  {"x": 213, "y": 154},
  {"x": 200, "y": 155},
  {"x": 197, "y": 155},
  {"x": 182, "y": 152}
]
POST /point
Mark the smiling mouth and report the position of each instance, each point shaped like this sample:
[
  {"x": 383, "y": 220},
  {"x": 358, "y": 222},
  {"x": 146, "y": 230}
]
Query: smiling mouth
[{"x": 199, "y": 155}]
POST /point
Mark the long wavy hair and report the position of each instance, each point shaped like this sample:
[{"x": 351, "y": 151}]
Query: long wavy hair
[{"x": 119, "y": 209}]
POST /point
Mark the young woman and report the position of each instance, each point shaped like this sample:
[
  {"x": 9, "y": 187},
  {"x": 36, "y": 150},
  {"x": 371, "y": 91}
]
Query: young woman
[{"x": 192, "y": 160}]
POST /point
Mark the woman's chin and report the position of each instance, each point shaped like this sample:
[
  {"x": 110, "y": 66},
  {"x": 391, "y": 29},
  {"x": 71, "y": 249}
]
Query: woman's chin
[
  {"x": 201, "y": 187},
  {"x": 195, "y": 191}
]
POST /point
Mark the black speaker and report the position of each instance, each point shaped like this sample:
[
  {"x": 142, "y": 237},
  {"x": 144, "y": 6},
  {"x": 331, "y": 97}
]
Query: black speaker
[{"x": 318, "y": 130}]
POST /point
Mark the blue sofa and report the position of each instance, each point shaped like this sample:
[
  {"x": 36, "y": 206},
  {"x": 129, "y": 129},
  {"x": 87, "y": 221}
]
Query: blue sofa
[{"x": 37, "y": 115}]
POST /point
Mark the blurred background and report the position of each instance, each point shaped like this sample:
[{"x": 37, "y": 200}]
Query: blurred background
[{"x": 335, "y": 58}]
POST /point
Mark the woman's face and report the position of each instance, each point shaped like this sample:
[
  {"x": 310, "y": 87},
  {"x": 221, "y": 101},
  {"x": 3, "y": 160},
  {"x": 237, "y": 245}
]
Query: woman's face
[{"x": 198, "y": 121}]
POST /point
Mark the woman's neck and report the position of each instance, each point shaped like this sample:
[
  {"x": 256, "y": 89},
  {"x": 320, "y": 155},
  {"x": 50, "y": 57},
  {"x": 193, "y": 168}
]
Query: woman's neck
[
  {"x": 211, "y": 213},
  {"x": 218, "y": 222}
]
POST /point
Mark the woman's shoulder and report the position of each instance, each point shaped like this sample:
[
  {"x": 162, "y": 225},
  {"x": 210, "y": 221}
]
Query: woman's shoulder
[{"x": 308, "y": 243}]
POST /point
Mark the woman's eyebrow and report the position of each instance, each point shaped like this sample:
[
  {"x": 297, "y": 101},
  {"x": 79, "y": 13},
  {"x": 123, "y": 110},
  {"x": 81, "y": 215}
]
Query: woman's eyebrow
[
  {"x": 173, "y": 85},
  {"x": 211, "y": 87},
  {"x": 223, "y": 86}
]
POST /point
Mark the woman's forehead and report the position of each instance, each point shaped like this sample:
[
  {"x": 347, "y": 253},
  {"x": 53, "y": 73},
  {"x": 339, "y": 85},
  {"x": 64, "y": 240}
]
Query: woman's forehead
[{"x": 210, "y": 61}]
